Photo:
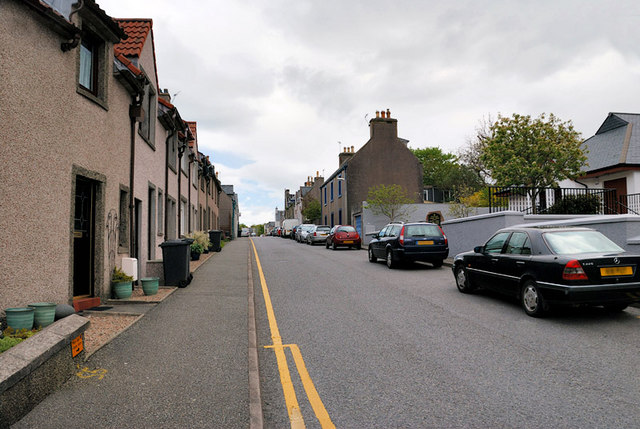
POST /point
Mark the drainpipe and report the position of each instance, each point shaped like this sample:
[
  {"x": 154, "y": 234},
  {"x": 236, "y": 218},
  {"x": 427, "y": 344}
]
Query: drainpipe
[
  {"x": 189, "y": 195},
  {"x": 134, "y": 114},
  {"x": 181, "y": 149},
  {"x": 166, "y": 183}
]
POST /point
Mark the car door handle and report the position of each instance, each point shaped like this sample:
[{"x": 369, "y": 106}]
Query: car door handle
[
  {"x": 520, "y": 262},
  {"x": 494, "y": 259}
]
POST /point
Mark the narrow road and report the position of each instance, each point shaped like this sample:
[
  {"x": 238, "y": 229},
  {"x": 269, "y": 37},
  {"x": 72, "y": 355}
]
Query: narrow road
[{"x": 403, "y": 348}]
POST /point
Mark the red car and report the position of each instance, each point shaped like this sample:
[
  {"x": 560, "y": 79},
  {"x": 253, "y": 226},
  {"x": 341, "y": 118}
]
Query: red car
[{"x": 343, "y": 235}]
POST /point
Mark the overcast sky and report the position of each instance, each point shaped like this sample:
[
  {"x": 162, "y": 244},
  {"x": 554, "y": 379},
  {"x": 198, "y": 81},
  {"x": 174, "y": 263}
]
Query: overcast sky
[{"x": 278, "y": 87}]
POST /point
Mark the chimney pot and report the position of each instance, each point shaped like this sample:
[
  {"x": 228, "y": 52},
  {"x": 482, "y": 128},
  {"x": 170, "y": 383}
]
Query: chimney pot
[
  {"x": 388, "y": 113},
  {"x": 384, "y": 115},
  {"x": 377, "y": 113},
  {"x": 351, "y": 149}
]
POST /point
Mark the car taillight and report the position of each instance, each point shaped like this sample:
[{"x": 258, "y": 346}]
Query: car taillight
[
  {"x": 446, "y": 241},
  {"x": 314, "y": 234},
  {"x": 401, "y": 236},
  {"x": 573, "y": 271}
]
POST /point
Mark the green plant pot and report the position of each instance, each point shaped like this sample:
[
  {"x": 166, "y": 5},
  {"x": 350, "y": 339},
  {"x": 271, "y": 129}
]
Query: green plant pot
[
  {"x": 150, "y": 285},
  {"x": 44, "y": 314},
  {"x": 20, "y": 317},
  {"x": 122, "y": 290}
]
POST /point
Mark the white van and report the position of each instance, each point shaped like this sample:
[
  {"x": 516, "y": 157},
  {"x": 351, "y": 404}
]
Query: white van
[{"x": 287, "y": 226}]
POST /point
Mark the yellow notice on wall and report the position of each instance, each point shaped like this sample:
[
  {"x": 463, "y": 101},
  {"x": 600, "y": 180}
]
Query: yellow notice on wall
[{"x": 76, "y": 346}]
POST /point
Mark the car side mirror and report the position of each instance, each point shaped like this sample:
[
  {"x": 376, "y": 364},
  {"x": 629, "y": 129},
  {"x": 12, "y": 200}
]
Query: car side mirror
[{"x": 478, "y": 249}]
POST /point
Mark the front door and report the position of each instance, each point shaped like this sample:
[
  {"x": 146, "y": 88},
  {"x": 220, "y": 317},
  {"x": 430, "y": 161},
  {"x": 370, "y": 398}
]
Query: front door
[
  {"x": 84, "y": 237},
  {"x": 620, "y": 185}
]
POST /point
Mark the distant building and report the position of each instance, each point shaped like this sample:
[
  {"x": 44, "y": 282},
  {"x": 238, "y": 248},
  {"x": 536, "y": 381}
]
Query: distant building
[{"x": 384, "y": 159}]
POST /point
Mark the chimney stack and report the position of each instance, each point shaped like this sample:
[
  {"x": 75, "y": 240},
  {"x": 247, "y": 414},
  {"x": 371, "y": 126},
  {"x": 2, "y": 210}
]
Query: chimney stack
[
  {"x": 345, "y": 155},
  {"x": 383, "y": 125}
]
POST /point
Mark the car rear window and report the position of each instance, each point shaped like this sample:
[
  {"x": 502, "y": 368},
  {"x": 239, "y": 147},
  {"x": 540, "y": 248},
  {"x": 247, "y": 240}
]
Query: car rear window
[
  {"x": 571, "y": 242},
  {"x": 347, "y": 229},
  {"x": 323, "y": 228},
  {"x": 422, "y": 231}
]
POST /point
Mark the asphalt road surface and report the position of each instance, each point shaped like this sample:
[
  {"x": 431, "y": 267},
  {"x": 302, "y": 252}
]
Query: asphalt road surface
[{"x": 403, "y": 348}]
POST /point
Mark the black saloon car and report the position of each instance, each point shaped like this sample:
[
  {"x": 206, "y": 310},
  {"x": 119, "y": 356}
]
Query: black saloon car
[
  {"x": 417, "y": 241},
  {"x": 543, "y": 267}
]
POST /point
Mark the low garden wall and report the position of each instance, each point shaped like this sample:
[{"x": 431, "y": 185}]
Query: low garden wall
[{"x": 39, "y": 365}]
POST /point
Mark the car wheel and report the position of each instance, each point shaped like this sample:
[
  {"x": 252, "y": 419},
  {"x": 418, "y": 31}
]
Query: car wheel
[
  {"x": 390, "y": 262},
  {"x": 327, "y": 244},
  {"x": 462, "y": 280},
  {"x": 333, "y": 246},
  {"x": 359, "y": 246},
  {"x": 372, "y": 257},
  {"x": 438, "y": 263},
  {"x": 615, "y": 308},
  {"x": 531, "y": 299}
]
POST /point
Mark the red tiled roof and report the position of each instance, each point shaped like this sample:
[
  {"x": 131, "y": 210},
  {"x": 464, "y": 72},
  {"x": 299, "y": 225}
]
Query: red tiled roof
[
  {"x": 165, "y": 102},
  {"x": 124, "y": 60},
  {"x": 137, "y": 30},
  {"x": 193, "y": 127}
]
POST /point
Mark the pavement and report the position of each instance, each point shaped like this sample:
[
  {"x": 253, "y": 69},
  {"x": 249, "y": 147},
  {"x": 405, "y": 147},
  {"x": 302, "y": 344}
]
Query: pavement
[{"x": 188, "y": 362}]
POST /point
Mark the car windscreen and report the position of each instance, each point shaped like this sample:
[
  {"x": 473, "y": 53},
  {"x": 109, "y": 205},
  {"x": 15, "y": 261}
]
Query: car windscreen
[
  {"x": 346, "y": 229},
  {"x": 571, "y": 242},
  {"x": 422, "y": 231}
]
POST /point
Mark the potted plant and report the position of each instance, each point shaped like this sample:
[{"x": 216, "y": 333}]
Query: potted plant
[
  {"x": 196, "y": 250},
  {"x": 121, "y": 284},
  {"x": 200, "y": 243}
]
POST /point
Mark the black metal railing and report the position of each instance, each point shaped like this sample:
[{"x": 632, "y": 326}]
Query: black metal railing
[{"x": 556, "y": 200}]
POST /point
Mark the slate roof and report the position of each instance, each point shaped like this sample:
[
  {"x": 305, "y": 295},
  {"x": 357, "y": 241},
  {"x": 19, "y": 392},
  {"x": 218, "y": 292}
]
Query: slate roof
[
  {"x": 137, "y": 29},
  {"x": 616, "y": 142}
]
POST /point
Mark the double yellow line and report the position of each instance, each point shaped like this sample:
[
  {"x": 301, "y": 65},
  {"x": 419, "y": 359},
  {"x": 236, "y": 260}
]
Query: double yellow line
[{"x": 293, "y": 409}]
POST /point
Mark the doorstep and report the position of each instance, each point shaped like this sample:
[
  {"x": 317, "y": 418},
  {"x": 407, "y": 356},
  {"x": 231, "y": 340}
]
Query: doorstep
[{"x": 80, "y": 304}]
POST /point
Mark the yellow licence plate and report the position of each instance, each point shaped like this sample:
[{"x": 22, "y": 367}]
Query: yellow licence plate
[
  {"x": 616, "y": 271},
  {"x": 348, "y": 242},
  {"x": 425, "y": 243}
]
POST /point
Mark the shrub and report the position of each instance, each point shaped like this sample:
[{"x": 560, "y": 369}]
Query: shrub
[
  {"x": 576, "y": 204},
  {"x": 196, "y": 247},
  {"x": 200, "y": 237},
  {"x": 13, "y": 337},
  {"x": 7, "y": 342},
  {"x": 120, "y": 276}
]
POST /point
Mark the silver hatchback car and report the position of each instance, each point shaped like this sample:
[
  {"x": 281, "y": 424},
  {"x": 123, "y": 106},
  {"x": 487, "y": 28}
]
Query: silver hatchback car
[
  {"x": 301, "y": 232},
  {"x": 318, "y": 234}
]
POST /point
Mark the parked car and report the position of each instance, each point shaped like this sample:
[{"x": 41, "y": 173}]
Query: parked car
[
  {"x": 318, "y": 234},
  {"x": 293, "y": 232},
  {"x": 343, "y": 236},
  {"x": 398, "y": 242},
  {"x": 302, "y": 231},
  {"x": 544, "y": 267}
]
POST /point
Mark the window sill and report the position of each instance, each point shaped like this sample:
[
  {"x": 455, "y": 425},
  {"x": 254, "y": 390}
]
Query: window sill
[{"x": 91, "y": 96}]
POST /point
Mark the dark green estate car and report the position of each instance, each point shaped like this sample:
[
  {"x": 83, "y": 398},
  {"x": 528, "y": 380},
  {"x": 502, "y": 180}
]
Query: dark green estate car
[{"x": 417, "y": 241}]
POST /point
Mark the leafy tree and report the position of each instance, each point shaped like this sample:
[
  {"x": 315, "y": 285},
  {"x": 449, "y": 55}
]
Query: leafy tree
[
  {"x": 259, "y": 229},
  {"x": 471, "y": 154},
  {"x": 390, "y": 201},
  {"x": 534, "y": 153},
  {"x": 444, "y": 171},
  {"x": 313, "y": 210}
]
